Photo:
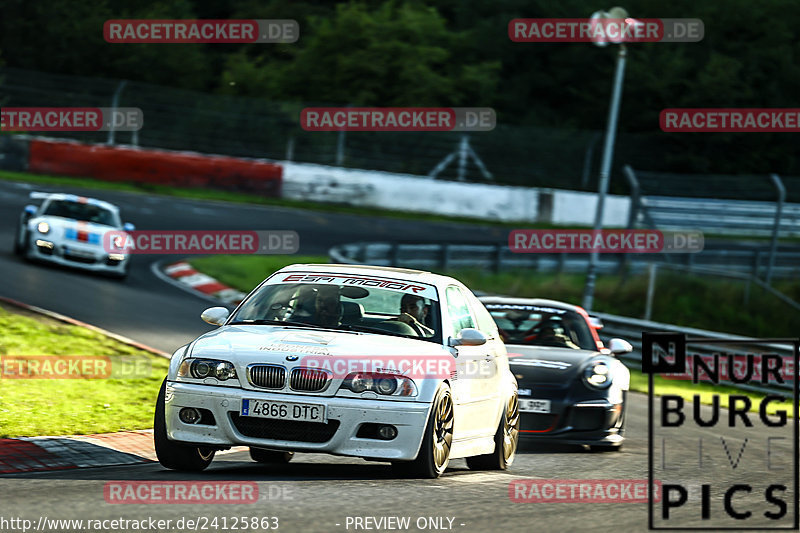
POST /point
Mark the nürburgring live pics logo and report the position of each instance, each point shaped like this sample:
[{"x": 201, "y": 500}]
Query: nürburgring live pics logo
[{"x": 734, "y": 469}]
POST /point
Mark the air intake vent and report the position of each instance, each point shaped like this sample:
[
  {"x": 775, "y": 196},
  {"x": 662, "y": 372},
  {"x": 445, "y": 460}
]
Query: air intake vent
[
  {"x": 267, "y": 376},
  {"x": 308, "y": 380}
]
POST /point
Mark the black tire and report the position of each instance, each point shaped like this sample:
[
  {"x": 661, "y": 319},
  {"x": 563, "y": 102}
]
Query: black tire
[
  {"x": 20, "y": 249},
  {"x": 270, "y": 456},
  {"x": 175, "y": 455},
  {"x": 506, "y": 440},
  {"x": 434, "y": 453}
]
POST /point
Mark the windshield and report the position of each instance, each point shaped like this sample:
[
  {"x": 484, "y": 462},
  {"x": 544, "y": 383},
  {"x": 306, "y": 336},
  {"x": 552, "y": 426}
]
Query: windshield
[
  {"x": 535, "y": 325},
  {"x": 346, "y": 307},
  {"x": 81, "y": 211}
]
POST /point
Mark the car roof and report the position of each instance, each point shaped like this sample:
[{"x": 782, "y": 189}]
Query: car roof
[
  {"x": 505, "y": 300},
  {"x": 46, "y": 196},
  {"x": 405, "y": 274}
]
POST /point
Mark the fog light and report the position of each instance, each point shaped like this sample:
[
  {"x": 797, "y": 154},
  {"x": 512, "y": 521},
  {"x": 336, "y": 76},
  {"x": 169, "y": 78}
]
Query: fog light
[
  {"x": 116, "y": 257},
  {"x": 387, "y": 432},
  {"x": 44, "y": 244},
  {"x": 189, "y": 415}
]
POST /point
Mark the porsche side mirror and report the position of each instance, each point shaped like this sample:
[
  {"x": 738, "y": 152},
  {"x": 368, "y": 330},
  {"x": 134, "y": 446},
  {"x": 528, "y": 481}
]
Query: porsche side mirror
[
  {"x": 30, "y": 210},
  {"x": 128, "y": 226},
  {"x": 468, "y": 337},
  {"x": 216, "y": 316},
  {"x": 619, "y": 346}
]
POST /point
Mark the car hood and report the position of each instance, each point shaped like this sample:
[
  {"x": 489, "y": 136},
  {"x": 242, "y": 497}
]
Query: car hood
[
  {"x": 66, "y": 229},
  {"x": 544, "y": 364}
]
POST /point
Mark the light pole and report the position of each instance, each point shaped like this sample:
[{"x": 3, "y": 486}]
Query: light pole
[{"x": 608, "y": 148}]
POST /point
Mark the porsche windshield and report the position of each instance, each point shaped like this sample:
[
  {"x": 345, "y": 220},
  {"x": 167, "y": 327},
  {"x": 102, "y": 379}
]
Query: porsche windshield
[
  {"x": 542, "y": 326},
  {"x": 81, "y": 211},
  {"x": 346, "y": 307}
]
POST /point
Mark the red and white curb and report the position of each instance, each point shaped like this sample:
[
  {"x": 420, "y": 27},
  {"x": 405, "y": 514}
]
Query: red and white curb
[{"x": 184, "y": 274}]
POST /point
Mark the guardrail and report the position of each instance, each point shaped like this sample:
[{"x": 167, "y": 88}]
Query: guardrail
[
  {"x": 631, "y": 330},
  {"x": 745, "y": 261}
]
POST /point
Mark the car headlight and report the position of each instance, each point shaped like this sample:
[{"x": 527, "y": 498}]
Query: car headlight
[
  {"x": 383, "y": 384},
  {"x": 43, "y": 227},
  {"x": 598, "y": 374},
  {"x": 206, "y": 368},
  {"x": 118, "y": 242}
]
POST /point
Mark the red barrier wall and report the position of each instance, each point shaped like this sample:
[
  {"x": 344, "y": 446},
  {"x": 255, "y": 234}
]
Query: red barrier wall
[{"x": 183, "y": 169}]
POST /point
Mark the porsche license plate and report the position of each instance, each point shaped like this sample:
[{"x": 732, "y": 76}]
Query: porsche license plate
[
  {"x": 300, "y": 412},
  {"x": 534, "y": 406}
]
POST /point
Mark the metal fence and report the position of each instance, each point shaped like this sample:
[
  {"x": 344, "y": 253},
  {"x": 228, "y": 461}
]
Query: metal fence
[
  {"x": 741, "y": 261},
  {"x": 255, "y": 127}
]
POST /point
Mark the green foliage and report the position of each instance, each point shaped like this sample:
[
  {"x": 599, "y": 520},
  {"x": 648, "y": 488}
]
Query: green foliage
[{"x": 456, "y": 53}]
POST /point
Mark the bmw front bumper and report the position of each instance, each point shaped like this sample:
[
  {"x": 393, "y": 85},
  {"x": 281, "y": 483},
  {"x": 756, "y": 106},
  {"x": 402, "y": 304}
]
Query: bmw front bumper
[{"x": 345, "y": 417}]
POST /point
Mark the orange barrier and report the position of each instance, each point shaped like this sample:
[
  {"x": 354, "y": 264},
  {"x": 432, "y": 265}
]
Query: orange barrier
[{"x": 184, "y": 169}]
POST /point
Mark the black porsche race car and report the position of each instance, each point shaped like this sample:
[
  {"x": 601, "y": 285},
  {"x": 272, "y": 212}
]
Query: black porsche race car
[{"x": 572, "y": 389}]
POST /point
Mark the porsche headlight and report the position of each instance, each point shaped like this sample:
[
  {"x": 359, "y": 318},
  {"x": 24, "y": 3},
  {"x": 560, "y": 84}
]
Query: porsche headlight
[
  {"x": 383, "y": 384},
  {"x": 43, "y": 227},
  {"x": 598, "y": 374},
  {"x": 206, "y": 368},
  {"x": 118, "y": 242}
]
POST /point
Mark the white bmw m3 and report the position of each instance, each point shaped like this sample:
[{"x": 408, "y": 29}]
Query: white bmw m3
[{"x": 381, "y": 363}]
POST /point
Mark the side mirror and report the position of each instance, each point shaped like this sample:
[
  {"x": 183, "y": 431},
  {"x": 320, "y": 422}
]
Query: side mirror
[
  {"x": 30, "y": 210},
  {"x": 619, "y": 346},
  {"x": 468, "y": 337},
  {"x": 128, "y": 226},
  {"x": 216, "y": 316}
]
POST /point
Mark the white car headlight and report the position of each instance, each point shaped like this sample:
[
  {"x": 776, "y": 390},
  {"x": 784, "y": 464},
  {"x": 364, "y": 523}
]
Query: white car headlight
[
  {"x": 383, "y": 384},
  {"x": 206, "y": 368},
  {"x": 43, "y": 227},
  {"x": 598, "y": 374}
]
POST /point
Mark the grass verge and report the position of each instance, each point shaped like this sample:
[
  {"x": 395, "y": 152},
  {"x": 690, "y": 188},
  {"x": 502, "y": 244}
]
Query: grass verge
[
  {"x": 245, "y": 272},
  {"x": 32, "y": 407}
]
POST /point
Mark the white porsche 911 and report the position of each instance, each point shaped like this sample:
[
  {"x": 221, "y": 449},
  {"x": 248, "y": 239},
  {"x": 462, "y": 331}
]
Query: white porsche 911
[
  {"x": 380, "y": 363},
  {"x": 68, "y": 230}
]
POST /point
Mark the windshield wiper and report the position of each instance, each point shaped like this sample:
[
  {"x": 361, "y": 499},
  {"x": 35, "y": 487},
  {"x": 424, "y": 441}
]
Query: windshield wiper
[
  {"x": 271, "y": 322},
  {"x": 368, "y": 329}
]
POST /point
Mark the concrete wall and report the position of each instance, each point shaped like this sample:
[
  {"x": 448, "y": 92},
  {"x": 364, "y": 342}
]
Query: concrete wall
[{"x": 321, "y": 183}]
